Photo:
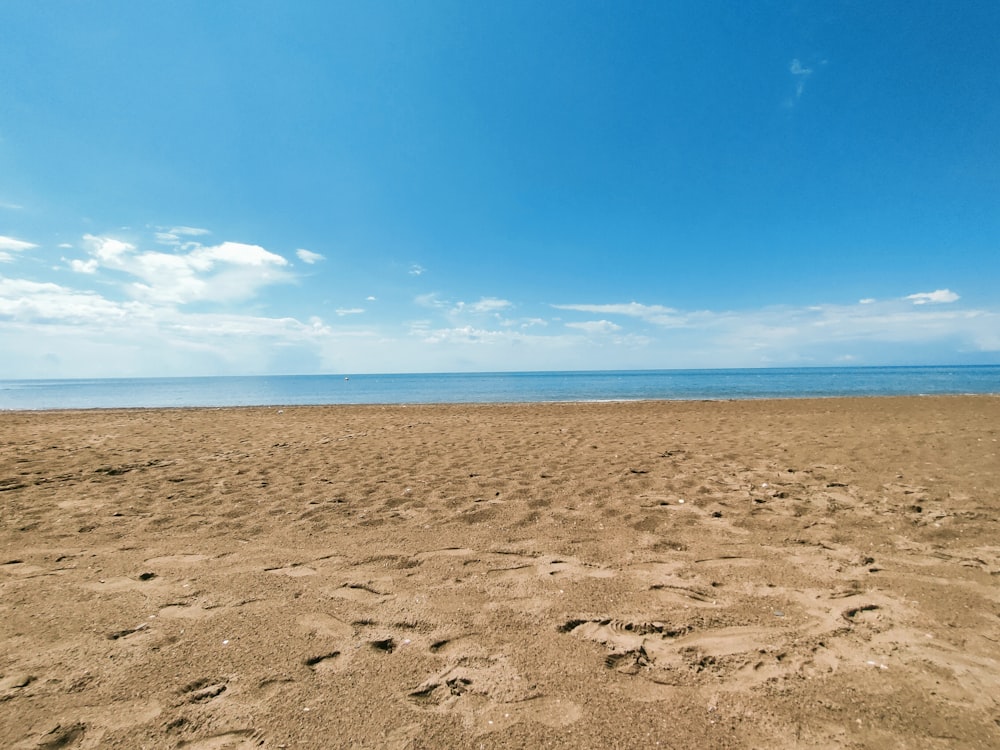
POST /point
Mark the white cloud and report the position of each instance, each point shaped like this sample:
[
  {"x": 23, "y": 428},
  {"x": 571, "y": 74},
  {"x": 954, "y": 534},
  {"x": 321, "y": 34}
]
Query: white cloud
[
  {"x": 467, "y": 335},
  {"x": 430, "y": 300},
  {"x": 219, "y": 273},
  {"x": 633, "y": 309},
  {"x": 658, "y": 314},
  {"x": 176, "y": 235},
  {"x": 128, "y": 316},
  {"x": 107, "y": 249},
  {"x": 49, "y": 323},
  {"x": 935, "y": 297},
  {"x": 810, "y": 333},
  {"x": 595, "y": 326},
  {"x": 483, "y": 306},
  {"x": 307, "y": 256},
  {"x": 460, "y": 312},
  {"x": 97, "y": 336},
  {"x": 10, "y": 245},
  {"x": 29, "y": 301},
  {"x": 135, "y": 322},
  {"x": 236, "y": 253},
  {"x": 416, "y": 270},
  {"x": 84, "y": 266}
]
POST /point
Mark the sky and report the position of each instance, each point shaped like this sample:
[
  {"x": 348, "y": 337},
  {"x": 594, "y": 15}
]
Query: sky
[{"x": 292, "y": 187}]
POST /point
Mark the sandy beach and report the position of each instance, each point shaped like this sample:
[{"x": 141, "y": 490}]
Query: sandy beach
[{"x": 797, "y": 573}]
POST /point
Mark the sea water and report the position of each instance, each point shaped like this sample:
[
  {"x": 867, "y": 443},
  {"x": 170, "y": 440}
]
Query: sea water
[{"x": 498, "y": 387}]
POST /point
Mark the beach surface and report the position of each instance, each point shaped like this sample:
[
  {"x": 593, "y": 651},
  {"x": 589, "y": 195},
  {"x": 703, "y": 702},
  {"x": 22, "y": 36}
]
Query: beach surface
[{"x": 743, "y": 574}]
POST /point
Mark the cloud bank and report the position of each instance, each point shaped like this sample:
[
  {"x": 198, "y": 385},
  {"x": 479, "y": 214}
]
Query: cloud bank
[{"x": 179, "y": 306}]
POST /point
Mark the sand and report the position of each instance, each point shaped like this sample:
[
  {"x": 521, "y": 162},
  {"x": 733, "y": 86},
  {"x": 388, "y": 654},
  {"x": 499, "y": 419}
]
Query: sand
[{"x": 798, "y": 573}]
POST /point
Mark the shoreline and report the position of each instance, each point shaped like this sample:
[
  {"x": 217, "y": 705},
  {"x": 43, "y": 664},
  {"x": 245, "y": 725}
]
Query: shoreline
[{"x": 473, "y": 404}]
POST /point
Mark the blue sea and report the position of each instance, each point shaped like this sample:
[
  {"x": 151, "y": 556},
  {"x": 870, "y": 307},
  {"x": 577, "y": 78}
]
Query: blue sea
[{"x": 498, "y": 387}]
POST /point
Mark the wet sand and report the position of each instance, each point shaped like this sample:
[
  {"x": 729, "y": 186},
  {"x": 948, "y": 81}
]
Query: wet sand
[{"x": 800, "y": 573}]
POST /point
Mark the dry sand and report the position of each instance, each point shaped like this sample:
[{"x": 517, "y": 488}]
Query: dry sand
[{"x": 802, "y": 573}]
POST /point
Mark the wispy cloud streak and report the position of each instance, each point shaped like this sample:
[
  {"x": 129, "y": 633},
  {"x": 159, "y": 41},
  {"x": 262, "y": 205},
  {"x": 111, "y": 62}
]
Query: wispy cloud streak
[
  {"x": 9, "y": 245},
  {"x": 800, "y": 74}
]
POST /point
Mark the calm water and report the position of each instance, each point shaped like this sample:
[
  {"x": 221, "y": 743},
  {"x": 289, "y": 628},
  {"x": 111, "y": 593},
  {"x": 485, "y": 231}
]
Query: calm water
[{"x": 498, "y": 387}]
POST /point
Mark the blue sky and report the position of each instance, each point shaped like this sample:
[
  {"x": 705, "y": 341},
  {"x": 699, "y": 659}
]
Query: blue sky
[{"x": 191, "y": 188}]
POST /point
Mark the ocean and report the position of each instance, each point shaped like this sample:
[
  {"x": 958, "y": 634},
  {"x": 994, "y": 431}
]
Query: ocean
[{"x": 497, "y": 387}]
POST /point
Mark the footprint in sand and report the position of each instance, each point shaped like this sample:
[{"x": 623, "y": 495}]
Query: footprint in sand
[
  {"x": 271, "y": 686},
  {"x": 685, "y": 590},
  {"x": 359, "y": 592},
  {"x": 821, "y": 631},
  {"x": 674, "y": 586},
  {"x": 684, "y": 593},
  {"x": 203, "y": 690},
  {"x": 325, "y": 626},
  {"x": 457, "y": 645},
  {"x": 21, "y": 568},
  {"x": 12, "y": 684},
  {"x": 345, "y": 640},
  {"x": 59, "y": 736},
  {"x": 324, "y": 662},
  {"x": 126, "y": 632},
  {"x": 468, "y": 682},
  {"x": 485, "y": 690},
  {"x": 638, "y": 645},
  {"x": 550, "y": 567}
]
